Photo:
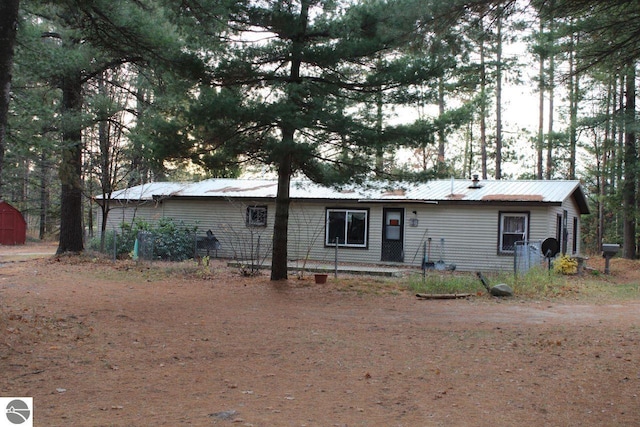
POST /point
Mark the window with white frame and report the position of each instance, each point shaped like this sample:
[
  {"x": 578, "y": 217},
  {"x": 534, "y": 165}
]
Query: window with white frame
[
  {"x": 349, "y": 227},
  {"x": 514, "y": 227},
  {"x": 256, "y": 216}
]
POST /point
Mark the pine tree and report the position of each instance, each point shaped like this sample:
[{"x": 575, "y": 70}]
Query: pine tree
[
  {"x": 8, "y": 28},
  {"x": 297, "y": 84},
  {"x": 609, "y": 38},
  {"x": 76, "y": 44}
]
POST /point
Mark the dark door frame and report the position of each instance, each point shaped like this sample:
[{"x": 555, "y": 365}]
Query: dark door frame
[{"x": 392, "y": 235}]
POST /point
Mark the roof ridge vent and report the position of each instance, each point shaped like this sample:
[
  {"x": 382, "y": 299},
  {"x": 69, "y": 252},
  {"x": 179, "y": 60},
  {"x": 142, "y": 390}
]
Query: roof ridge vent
[{"x": 475, "y": 182}]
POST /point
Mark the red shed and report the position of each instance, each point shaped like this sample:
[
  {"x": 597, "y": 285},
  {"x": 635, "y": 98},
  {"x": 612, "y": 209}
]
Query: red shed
[{"x": 13, "y": 227}]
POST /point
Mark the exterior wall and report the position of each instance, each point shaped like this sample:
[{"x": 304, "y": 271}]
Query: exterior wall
[
  {"x": 307, "y": 234},
  {"x": 470, "y": 232},
  {"x": 572, "y": 212},
  {"x": 470, "y": 235},
  {"x": 127, "y": 213},
  {"x": 226, "y": 219},
  {"x": 13, "y": 228}
]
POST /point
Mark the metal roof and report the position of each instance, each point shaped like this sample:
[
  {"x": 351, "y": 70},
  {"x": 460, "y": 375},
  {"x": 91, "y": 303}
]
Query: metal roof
[{"x": 437, "y": 191}]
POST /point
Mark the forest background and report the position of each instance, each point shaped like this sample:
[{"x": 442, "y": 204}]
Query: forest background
[{"x": 99, "y": 95}]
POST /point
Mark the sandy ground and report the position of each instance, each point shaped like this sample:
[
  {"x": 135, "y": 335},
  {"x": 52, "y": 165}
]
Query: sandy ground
[{"x": 103, "y": 344}]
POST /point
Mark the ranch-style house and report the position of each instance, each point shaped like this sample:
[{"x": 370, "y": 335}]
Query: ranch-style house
[{"x": 470, "y": 225}]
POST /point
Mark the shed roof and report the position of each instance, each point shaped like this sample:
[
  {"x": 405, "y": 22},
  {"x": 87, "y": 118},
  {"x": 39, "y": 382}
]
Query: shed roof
[{"x": 453, "y": 191}]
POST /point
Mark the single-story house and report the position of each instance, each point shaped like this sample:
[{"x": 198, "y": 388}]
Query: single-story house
[{"x": 470, "y": 224}]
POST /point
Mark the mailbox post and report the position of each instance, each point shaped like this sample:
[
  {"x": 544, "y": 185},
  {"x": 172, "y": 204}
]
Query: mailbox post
[{"x": 609, "y": 250}]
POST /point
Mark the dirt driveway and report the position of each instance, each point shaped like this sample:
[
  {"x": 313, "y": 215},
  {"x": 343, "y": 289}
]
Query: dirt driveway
[{"x": 98, "y": 344}]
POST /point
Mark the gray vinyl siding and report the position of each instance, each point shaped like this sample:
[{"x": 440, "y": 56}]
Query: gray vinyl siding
[
  {"x": 572, "y": 212},
  {"x": 470, "y": 236},
  {"x": 127, "y": 213},
  {"x": 470, "y": 232},
  {"x": 307, "y": 234},
  {"x": 227, "y": 221}
]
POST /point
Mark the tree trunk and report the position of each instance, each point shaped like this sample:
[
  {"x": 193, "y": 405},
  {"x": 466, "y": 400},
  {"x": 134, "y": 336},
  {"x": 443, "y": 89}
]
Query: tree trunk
[
  {"x": 44, "y": 195},
  {"x": 8, "y": 27},
  {"x": 106, "y": 162},
  {"x": 499, "y": 99},
  {"x": 541, "y": 79},
  {"x": 468, "y": 152},
  {"x": 619, "y": 150},
  {"x": 574, "y": 94},
  {"x": 604, "y": 162},
  {"x": 139, "y": 168},
  {"x": 71, "y": 235},
  {"x": 630, "y": 167},
  {"x": 379, "y": 171},
  {"x": 483, "y": 109},
  {"x": 441, "y": 136},
  {"x": 540, "y": 140},
  {"x": 550, "y": 137},
  {"x": 279, "y": 261},
  {"x": 279, "y": 258}
]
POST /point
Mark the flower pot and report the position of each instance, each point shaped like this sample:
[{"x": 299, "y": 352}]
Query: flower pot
[{"x": 320, "y": 278}]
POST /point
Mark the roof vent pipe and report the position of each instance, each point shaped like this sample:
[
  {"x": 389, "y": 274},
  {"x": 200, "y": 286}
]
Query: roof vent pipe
[{"x": 475, "y": 182}]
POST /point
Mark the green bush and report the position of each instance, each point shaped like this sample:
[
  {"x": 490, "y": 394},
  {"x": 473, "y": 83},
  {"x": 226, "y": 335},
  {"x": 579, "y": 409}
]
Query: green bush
[
  {"x": 173, "y": 242},
  {"x": 170, "y": 240},
  {"x": 94, "y": 243}
]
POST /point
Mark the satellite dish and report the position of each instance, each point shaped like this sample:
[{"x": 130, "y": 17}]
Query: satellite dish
[{"x": 550, "y": 247}]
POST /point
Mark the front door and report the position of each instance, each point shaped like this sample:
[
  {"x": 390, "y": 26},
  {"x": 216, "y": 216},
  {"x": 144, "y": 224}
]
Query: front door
[{"x": 393, "y": 235}]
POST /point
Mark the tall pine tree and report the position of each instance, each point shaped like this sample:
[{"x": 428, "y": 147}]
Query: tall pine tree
[
  {"x": 296, "y": 83},
  {"x": 79, "y": 42},
  {"x": 8, "y": 28}
]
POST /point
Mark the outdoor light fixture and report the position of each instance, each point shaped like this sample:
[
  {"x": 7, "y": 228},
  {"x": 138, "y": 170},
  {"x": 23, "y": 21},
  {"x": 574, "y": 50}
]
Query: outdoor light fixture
[{"x": 413, "y": 222}]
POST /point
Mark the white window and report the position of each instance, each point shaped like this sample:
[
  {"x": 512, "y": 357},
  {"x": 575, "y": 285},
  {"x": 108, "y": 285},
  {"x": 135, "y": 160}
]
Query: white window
[
  {"x": 514, "y": 227},
  {"x": 256, "y": 216},
  {"x": 349, "y": 227}
]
